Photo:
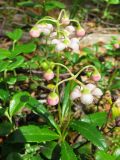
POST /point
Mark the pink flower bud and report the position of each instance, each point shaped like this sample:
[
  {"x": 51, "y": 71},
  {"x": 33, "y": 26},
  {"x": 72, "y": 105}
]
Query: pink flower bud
[
  {"x": 75, "y": 93},
  {"x": 80, "y": 32},
  {"x": 48, "y": 75},
  {"x": 52, "y": 99},
  {"x": 116, "y": 46},
  {"x": 96, "y": 76},
  {"x": 65, "y": 21},
  {"x": 34, "y": 32},
  {"x": 97, "y": 92}
]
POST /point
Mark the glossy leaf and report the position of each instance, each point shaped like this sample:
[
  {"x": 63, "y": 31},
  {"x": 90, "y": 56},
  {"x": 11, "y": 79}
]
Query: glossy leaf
[
  {"x": 67, "y": 152},
  {"x": 53, "y": 4},
  {"x": 15, "y": 35},
  {"x": 3, "y": 65},
  {"x": 48, "y": 149},
  {"x": 24, "y": 48},
  {"x": 41, "y": 110},
  {"x": 16, "y": 62},
  {"x": 32, "y": 133},
  {"x": 89, "y": 132},
  {"x": 96, "y": 119},
  {"x": 4, "y": 94},
  {"x": 4, "y": 54},
  {"x": 14, "y": 156},
  {"x": 5, "y": 128},
  {"x": 18, "y": 101},
  {"x": 101, "y": 155}
]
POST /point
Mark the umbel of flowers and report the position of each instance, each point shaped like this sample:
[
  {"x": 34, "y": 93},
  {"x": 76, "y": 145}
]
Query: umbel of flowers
[
  {"x": 63, "y": 35},
  {"x": 59, "y": 32}
]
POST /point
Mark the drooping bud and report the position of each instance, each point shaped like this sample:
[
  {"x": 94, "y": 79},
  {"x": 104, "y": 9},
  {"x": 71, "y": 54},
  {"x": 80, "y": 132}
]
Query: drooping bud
[
  {"x": 116, "y": 45},
  {"x": 65, "y": 21},
  {"x": 96, "y": 76},
  {"x": 34, "y": 32},
  {"x": 80, "y": 32},
  {"x": 97, "y": 92},
  {"x": 48, "y": 75},
  {"x": 45, "y": 65},
  {"x": 76, "y": 93},
  {"x": 86, "y": 97},
  {"x": 52, "y": 99}
]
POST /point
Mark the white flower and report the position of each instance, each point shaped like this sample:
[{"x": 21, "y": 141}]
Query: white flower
[
  {"x": 53, "y": 34},
  {"x": 70, "y": 29},
  {"x": 86, "y": 98},
  {"x": 76, "y": 93},
  {"x": 60, "y": 47},
  {"x": 91, "y": 86},
  {"x": 55, "y": 41},
  {"x": 46, "y": 31},
  {"x": 50, "y": 27},
  {"x": 97, "y": 92}
]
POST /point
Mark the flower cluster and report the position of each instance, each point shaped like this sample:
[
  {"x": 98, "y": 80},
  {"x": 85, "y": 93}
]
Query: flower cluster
[
  {"x": 86, "y": 94},
  {"x": 60, "y": 33}
]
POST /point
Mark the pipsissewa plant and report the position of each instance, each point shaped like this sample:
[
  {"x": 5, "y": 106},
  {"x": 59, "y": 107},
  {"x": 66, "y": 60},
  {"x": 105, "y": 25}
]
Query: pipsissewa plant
[{"x": 51, "y": 137}]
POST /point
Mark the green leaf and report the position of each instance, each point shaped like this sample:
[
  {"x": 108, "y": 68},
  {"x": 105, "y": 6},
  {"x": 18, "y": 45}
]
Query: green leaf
[
  {"x": 14, "y": 156},
  {"x": 113, "y": 1},
  {"x": 24, "y": 48},
  {"x": 115, "y": 85},
  {"x": 26, "y": 4},
  {"x": 15, "y": 35},
  {"x": 4, "y": 94},
  {"x": 16, "y": 62},
  {"x": 90, "y": 133},
  {"x": 5, "y": 128},
  {"x": 41, "y": 110},
  {"x": 67, "y": 152},
  {"x": 11, "y": 80},
  {"x": 3, "y": 65},
  {"x": 66, "y": 100},
  {"x": 101, "y": 155},
  {"x": 96, "y": 119},
  {"x": 32, "y": 133},
  {"x": 53, "y": 4},
  {"x": 48, "y": 149},
  {"x": 4, "y": 54},
  {"x": 116, "y": 154},
  {"x": 18, "y": 101}
]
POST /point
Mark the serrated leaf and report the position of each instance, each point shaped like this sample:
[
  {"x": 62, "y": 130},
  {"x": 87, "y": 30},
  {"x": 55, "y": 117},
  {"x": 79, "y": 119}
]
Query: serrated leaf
[
  {"x": 4, "y": 54},
  {"x": 89, "y": 132},
  {"x": 96, "y": 119},
  {"x": 67, "y": 152},
  {"x": 32, "y": 133},
  {"x": 18, "y": 101},
  {"x": 101, "y": 155}
]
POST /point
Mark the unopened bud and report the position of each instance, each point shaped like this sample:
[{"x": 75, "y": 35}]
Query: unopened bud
[
  {"x": 96, "y": 76},
  {"x": 48, "y": 75},
  {"x": 80, "y": 32},
  {"x": 52, "y": 99}
]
